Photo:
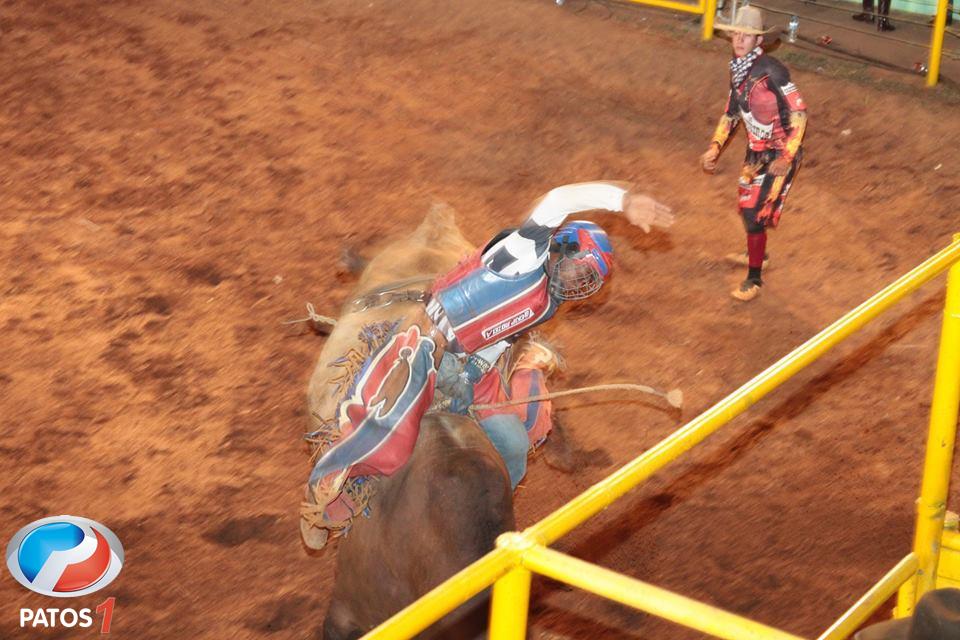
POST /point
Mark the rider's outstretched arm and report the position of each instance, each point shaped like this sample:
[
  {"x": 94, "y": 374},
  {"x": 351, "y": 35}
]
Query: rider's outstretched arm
[{"x": 525, "y": 249}]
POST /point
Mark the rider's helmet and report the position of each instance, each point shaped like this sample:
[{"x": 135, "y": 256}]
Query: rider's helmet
[{"x": 581, "y": 258}]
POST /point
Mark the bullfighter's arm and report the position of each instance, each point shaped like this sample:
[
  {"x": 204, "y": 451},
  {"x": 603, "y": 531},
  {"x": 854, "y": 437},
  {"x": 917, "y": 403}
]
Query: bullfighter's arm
[
  {"x": 793, "y": 117},
  {"x": 725, "y": 127},
  {"x": 728, "y": 122}
]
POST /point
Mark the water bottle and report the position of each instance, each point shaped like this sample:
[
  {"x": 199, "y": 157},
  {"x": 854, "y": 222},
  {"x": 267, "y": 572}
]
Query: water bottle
[{"x": 792, "y": 27}]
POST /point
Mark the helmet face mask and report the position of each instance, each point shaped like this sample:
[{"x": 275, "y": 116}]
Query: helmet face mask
[
  {"x": 581, "y": 257},
  {"x": 574, "y": 278}
]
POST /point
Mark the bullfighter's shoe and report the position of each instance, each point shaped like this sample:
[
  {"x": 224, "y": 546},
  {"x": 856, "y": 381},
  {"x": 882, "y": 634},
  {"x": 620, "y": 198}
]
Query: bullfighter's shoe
[{"x": 747, "y": 291}]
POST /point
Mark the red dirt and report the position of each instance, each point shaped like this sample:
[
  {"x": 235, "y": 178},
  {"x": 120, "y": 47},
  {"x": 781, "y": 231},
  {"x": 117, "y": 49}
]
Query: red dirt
[{"x": 180, "y": 177}]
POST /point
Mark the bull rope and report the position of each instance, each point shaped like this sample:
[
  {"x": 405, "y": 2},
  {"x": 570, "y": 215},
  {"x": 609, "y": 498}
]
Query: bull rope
[
  {"x": 313, "y": 316},
  {"x": 673, "y": 397}
]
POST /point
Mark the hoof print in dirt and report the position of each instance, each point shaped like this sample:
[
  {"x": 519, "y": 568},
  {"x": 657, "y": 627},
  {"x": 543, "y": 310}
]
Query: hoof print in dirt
[
  {"x": 206, "y": 273},
  {"x": 562, "y": 454},
  {"x": 232, "y": 533},
  {"x": 157, "y": 304}
]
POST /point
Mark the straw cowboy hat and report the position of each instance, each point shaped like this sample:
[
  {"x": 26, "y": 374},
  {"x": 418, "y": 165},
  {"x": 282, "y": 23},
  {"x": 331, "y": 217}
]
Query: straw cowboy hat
[
  {"x": 749, "y": 20},
  {"x": 936, "y": 617}
]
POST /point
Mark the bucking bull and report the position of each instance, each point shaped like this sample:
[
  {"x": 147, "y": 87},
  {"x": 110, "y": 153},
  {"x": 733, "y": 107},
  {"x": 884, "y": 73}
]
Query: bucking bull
[{"x": 445, "y": 507}]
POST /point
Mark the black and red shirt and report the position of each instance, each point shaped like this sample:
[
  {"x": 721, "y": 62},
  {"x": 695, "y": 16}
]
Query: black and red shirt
[{"x": 764, "y": 102}]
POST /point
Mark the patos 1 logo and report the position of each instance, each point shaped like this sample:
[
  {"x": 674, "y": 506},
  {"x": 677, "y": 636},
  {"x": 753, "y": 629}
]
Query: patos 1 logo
[{"x": 65, "y": 557}]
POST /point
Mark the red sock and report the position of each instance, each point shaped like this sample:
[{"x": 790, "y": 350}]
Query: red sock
[{"x": 756, "y": 248}]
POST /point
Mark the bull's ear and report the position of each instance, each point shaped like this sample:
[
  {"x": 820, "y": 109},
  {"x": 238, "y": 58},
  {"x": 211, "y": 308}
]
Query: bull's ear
[
  {"x": 441, "y": 213},
  {"x": 438, "y": 225},
  {"x": 352, "y": 262}
]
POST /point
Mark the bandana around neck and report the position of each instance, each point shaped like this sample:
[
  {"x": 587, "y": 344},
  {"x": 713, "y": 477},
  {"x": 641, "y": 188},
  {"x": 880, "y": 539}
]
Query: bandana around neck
[{"x": 740, "y": 67}]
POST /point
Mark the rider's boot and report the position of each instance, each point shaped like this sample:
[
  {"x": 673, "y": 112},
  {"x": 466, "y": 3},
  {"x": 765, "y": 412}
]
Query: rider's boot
[{"x": 537, "y": 353}]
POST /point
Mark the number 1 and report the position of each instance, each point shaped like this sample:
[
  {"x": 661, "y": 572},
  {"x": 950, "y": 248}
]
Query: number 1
[{"x": 107, "y": 608}]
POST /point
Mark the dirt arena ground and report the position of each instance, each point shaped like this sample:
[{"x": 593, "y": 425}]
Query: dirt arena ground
[{"x": 180, "y": 177}]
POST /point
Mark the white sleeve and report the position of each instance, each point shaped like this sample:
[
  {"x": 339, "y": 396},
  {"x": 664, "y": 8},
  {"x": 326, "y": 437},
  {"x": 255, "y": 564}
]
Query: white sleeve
[{"x": 554, "y": 207}]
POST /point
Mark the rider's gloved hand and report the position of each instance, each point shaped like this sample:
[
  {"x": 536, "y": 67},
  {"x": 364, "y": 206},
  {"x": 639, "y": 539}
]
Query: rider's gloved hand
[
  {"x": 474, "y": 368},
  {"x": 458, "y": 385},
  {"x": 461, "y": 394}
]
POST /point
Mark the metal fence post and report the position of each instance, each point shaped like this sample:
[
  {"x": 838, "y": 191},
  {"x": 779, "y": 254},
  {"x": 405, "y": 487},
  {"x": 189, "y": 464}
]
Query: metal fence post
[
  {"x": 936, "y": 47},
  {"x": 709, "y": 12},
  {"x": 511, "y": 593},
  {"x": 932, "y": 504}
]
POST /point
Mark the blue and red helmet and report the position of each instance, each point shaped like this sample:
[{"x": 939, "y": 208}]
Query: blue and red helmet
[{"x": 581, "y": 260}]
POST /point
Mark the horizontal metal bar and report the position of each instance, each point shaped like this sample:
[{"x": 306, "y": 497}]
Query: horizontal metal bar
[
  {"x": 646, "y": 597},
  {"x": 602, "y": 494},
  {"x": 669, "y": 4},
  {"x": 446, "y": 597},
  {"x": 872, "y": 599}
]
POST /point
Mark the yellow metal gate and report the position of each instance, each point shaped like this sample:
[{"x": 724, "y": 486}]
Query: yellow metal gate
[{"x": 518, "y": 555}]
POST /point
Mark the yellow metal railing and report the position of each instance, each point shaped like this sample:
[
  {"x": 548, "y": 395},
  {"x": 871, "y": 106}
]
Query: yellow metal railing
[
  {"x": 936, "y": 46},
  {"x": 646, "y": 597},
  {"x": 705, "y": 8},
  {"x": 872, "y": 599},
  {"x": 932, "y": 505},
  {"x": 446, "y": 597},
  {"x": 603, "y": 493},
  {"x": 671, "y": 4},
  {"x": 509, "y": 567}
]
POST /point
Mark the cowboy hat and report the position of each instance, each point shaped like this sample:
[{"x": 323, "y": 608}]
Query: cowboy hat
[
  {"x": 749, "y": 20},
  {"x": 936, "y": 617}
]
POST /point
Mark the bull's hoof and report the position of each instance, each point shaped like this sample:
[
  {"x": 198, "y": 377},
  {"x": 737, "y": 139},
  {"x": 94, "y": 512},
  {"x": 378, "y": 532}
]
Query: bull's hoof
[{"x": 313, "y": 537}]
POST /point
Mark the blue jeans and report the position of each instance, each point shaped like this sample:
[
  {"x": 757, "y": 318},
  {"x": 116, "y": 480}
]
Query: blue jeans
[
  {"x": 505, "y": 430},
  {"x": 509, "y": 437}
]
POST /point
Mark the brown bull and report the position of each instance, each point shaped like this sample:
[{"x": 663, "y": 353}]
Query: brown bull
[
  {"x": 446, "y": 506},
  {"x": 437, "y": 514},
  {"x": 407, "y": 264}
]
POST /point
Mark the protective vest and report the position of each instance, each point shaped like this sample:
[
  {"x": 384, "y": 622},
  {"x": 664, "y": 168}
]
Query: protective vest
[
  {"x": 765, "y": 100},
  {"x": 476, "y": 307}
]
